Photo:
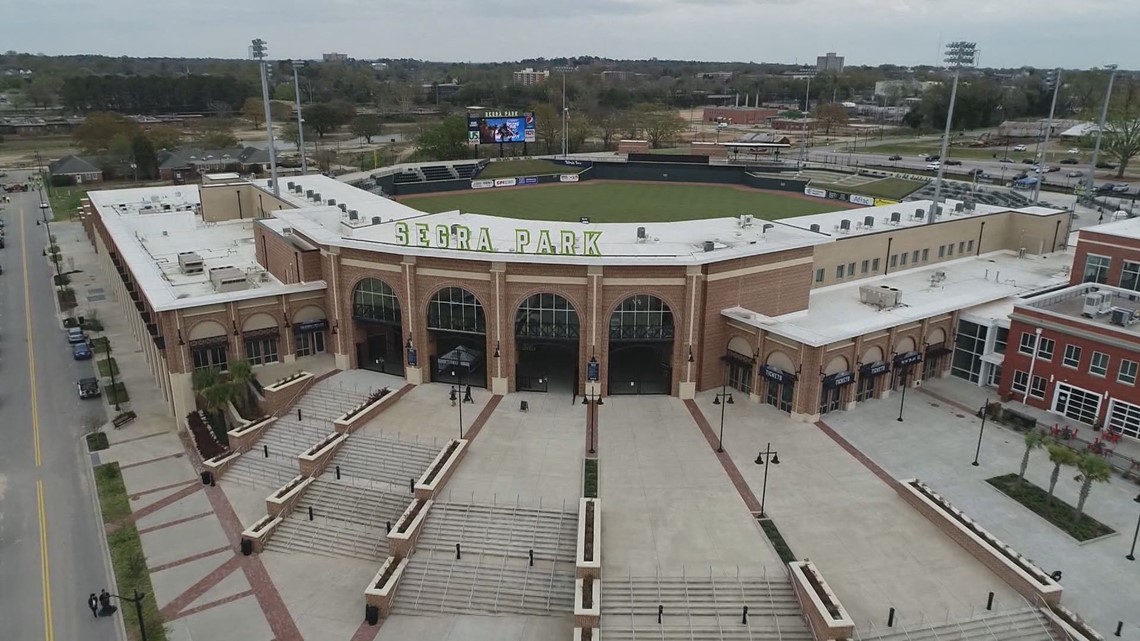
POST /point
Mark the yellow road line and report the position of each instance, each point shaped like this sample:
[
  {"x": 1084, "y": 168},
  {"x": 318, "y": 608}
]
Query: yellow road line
[
  {"x": 49, "y": 632},
  {"x": 31, "y": 343}
]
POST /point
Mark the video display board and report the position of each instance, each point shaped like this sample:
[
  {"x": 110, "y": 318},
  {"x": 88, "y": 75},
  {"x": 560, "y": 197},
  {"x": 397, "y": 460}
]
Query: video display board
[{"x": 500, "y": 127}]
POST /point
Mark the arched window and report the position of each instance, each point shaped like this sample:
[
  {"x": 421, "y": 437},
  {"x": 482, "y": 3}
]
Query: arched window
[
  {"x": 455, "y": 309},
  {"x": 546, "y": 315},
  {"x": 642, "y": 318},
  {"x": 373, "y": 300}
]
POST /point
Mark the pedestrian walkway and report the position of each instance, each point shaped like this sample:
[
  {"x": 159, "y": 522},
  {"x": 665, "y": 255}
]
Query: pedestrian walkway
[
  {"x": 1025, "y": 624},
  {"x": 426, "y": 413},
  {"x": 936, "y": 443}
]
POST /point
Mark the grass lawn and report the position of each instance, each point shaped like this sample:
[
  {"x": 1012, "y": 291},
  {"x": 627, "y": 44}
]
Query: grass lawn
[
  {"x": 127, "y": 556},
  {"x": 96, "y": 441},
  {"x": 910, "y": 151},
  {"x": 622, "y": 202},
  {"x": 1059, "y": 514},
  {"x": 99, "y": 345},
  {"x": 892, "y": 188},
  {"x": 116, "y": 393},
  {"x": 782, "y": 550},
  {"x": 65, "y": 201},
  {"x": 591, "y": 479},
  {"x": 107, "y": 365},
  {"x": 512, "y": 168}
]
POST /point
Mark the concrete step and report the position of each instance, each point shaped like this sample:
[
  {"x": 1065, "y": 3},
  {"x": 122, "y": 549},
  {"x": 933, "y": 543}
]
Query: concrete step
[
  {"x": 484, "y": 584},
  {"x": 500, "y": 530},
  {"x": 1026, "y": 624},
  {"x": 728, "y": 631},
  {"x": 328, "y": 538},
  {"x": 255, "y": 470},
  {"x": 337, "y": 500},
  {"x": 384, "y": 460}
]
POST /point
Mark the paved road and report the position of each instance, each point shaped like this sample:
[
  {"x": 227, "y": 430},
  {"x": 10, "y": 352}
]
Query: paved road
[{"x": 45, "y": 495}]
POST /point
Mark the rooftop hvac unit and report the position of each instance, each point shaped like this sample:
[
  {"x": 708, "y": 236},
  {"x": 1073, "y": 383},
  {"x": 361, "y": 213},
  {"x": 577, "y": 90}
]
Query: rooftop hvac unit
[
  {"x": 868, "y": 221},
  {"x": 1096, "y": 303},
  {"x": 308, "y": 193},
  {"x": 1122, "y": 316},
  {"x": 290, "y": 185},
  {"x": 343, "y": 207},
  {"x": 190, "y": 262},
  {"x": 845, "y": 224},
  {"x": 882, "y": 296},
  {"x": 746, "y": 220},
  {"x": 766, "y": 227},
  {"x": 375, "y": 219},
  {"x": 316, "y": 196},
  {"x": 352, "y": 215},
  {"x": 709, "y": 245},
  {"x": 813, "y": 227},
  {"x": 919, "y": 214},
  {"x": 641, "y": 235},
  {"x": 958, "y": 207},
  {"x": 331, "y": 202},
  {"x": 298, "y": 189},
  {"x": 935, "y": 211}
]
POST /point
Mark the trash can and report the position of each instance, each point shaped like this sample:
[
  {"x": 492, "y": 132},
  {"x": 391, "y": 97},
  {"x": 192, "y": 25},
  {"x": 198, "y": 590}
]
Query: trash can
[
  {"x": 372, "y": 614},
  {"x": 207, "y": 477},
  {"x": 246, "y": 546}
]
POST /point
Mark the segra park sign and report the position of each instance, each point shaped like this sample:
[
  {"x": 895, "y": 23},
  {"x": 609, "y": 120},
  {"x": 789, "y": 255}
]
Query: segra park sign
[{"x": 553, "y": 242}]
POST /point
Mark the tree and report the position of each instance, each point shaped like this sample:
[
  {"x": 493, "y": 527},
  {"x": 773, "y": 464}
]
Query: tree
[
  {"x": 101, "y": 129},
  {"x": 1059, "y": 455},
  {"x": 366, "y": 126},
  {"x": 609, "y": 122},
  {"x": 291, "y": 133},
  {"x": 445, "y": 141},
  {"x": 215, "y": 133},
  {"x": 254, "y": 109},
  {"x": 1093, "y": 469},
  {"x": 164, "y": 137},
  {"x": 146, "y": 164},
  {"x": 1121, "y": 139},
  {"x": 578, "y": 130},
  {"x": 659, "y": 124},
  {"x": 1033, "y": 440},
  {"x": 43, "y": 90},
  {"x": 327, "y": 117},
  {"x": 831, "y": 114},
  {"x": 547, "y": 125}
]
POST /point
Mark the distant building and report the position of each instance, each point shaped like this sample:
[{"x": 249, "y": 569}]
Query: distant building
[
  {"x": 440, "y": 90},
  {"x": 722, "y": 76},
  {"x": 334, "y": 57},
  {"x": 190, "y": 162},
  {"x": 617, "y": 76},
  {"x": 901, "y": 88},
  {"x": 529, "y": 77},
  {"x": 800, "y": 74},
  {"x": 1035, "y": 128},
  {"x": 74, "y": 170},
  {"x": 379, "y": 66},
  {"x": 830, "y": 62},
  {"x": 739, "y": 115}
]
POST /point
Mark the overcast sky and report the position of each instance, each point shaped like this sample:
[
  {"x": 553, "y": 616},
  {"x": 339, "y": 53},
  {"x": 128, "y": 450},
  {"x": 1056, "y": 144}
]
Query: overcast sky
[{"x": 1009, "y": 33}]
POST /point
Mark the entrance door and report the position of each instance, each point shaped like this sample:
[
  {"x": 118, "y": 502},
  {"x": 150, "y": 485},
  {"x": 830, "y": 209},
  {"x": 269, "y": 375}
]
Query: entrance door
[
  {"x": 1077, "y": 404},
  {"x": 779, "y": 395},
  {"x": 829, "y": 399},
  {"x": 865, "y": 388}
]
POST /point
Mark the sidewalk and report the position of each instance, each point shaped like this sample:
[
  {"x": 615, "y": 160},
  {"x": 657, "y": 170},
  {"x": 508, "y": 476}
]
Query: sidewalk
[{"x": 936, "y": 443}]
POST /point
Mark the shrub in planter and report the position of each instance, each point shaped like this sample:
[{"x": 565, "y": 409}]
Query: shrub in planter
[{"x": 204, "y": 439}]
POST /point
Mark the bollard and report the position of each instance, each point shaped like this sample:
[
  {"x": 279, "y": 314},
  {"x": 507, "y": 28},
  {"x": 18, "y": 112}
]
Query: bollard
[
  {"x": 338, "y": 472},
  {"x": 660, "y": 612},
  {"x": 532, "y": 558},
  {"x": 458, "y": 553},
  {"x": 265, "y": 448},
  {"x": 310, "y": 513},
  {"x": 744, "y": 617},
  {"x": 891, "y": 618},
  {"x": 990, "y": 602},
  {"x": 1119, "y": 626},
  {"x": 388, "y": 526},
  {"x": 412, "y": 485},
  {"x": 298, "y": 413}
]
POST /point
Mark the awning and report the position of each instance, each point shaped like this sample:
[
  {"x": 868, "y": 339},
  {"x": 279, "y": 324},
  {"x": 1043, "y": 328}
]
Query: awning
[
  {"x": 738, "y": 359},
  {"x": 938, "y": 350},
  {"x": 994, "y": 359}
]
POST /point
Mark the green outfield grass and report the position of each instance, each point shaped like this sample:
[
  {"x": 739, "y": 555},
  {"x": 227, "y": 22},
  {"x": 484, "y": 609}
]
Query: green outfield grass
[
  {"x": 513, "y": 168},
  {"x": 622, "y": 202}
]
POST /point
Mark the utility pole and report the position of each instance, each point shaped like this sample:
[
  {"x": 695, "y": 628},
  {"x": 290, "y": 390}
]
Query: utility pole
[
  {"x": 958, "y": 54},
  {"x": 564, "y": 114},
  {"x": 258, "y": 52},
  {"x": 300, "y": 118},
  {"x": 1053, "y": 78},
  {"x": 803, "y": 129},
  {"x": 1100, "y": 128}
]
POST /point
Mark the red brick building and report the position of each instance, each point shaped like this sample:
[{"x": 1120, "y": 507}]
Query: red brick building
[{"x": 739, "y": 115}]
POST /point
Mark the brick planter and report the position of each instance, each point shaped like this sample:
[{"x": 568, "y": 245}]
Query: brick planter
[
  {"x": 314, "y": 460},
  {"x": 406, "y": 530},
  {"x": 381, "y": 589},
  {"x": 1069, "y": 626},
  {"x": 282, "y": 502},
  {"x": 587, "y": 590},
  {"x": 280, "y": 394},
  {"x": 219, "y": 463},
  {"x": 242, "y": 438},
  {"x": 829, "y": 620},
  {"x": 441, "y": 469},
  {"x": 1019, "y": 572},
  {"x": 588, "y": 558},
  {"x": 351, "y": 420},
  {"x": 258, "y": 533}
]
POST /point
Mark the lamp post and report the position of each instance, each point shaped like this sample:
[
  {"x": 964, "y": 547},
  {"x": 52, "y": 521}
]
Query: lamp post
[
  {"x": 958, "y": 54},
  {"x": 1100, "y": 127},
  {"x": 1132, "y": 553},
  {"x": 763, "y": 458},
  {"x": 300, "y": 119},
  {"x": 727, "y": 398},
  {"x": 803, "y": 128},
  {"x": 137, "y": 599},
  {"x": 978, "y": 451},
  {"x": 592, "y": 398},
  {"x": 905, "y": 372},
  {"x": 1053, "y": 78},
  {"x": 457, "y": 373},
  {"x": 111, "y": 367},
  {"x": 258, "y": 51}
]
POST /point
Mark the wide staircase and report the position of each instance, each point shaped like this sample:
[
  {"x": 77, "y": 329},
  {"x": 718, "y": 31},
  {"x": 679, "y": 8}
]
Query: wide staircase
[
  {"x": 695, "y": 608},
  {"x": 273, "y": 459},
  {"x": 1024, "y": 624},
  {"x": 492, "y": 571},
  {"x": 347, "y": 521},
  {"x": 384, "y": 459}
]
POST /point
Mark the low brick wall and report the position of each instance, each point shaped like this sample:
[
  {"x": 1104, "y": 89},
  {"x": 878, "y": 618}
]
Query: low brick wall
[
  {"x": 1069, "y": 626},
  {"x": 402, "y": 544},
  {"x": 258, "y": 533},
  {"x": 280, "y": 394},
  {"x": 282, "y": 502},
  {"x": 367, "y": 413},
  {"x": 829, "y": 620},
  {"x": 381, "y": 596},
  {"x": 589, "y": 568},
  {"x": 1027, "y": 579},
  {"x": 587, "y": 617},
  {"x": 444, "y": 465},
  {"x": 219, "y": 463},
  {"x": 243, "y": 438},
  {"x": 314, "y": 460}
]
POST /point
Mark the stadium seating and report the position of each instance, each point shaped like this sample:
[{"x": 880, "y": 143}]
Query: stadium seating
[
  {"x": 465, "y": 171},
  {"x": 437, "y": 172}
]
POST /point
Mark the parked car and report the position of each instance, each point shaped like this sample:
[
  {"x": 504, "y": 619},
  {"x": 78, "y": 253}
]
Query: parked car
[
  {"x": 894, "y": 157},
  {"x": 1106, "y": 188},
  {"x": 1121, "y": 188},
  {"x": 1069, "y": 161},
  {"x": 1073, "y": 151},
  {"x": 1019, "y": 147},
  {"x": 88, "y": 388},
  {"x": 1104, "y": 165},
  {"x": 953, "y": 162},
  {"x": 1075, "y": 174},
  {"x": 976, "y": 171},
  {"x": 1050, "y": 170},
  {"x": 934, "y": 166},
  {"x": 1028, "y": 161},
  {"x": 80, "y": 351},
  {"x": 933, "y": 157},
  {"x": 76, "y": 335},
  {"x": 1006, "y": 160}
]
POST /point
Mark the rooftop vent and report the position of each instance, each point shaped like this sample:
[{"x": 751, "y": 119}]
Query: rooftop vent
[
  {"x": 298, "y": 188},
  {"x": 290, "y": 185},
  {"x": 883, "y": 296},
  {"x": 746, "y": 220},
  {"x": 316, "y": 196},
  {"x": 845, "y": 224},
  {"x": 709, "y": 245},
  {"x": 868, "y": 221},
  {"x": 896, "y": 217},
  {"x": 343, "y": 207},
  {"x": 959, "y": 207},
  {"x": 376, "y": 220},
  {"x": 642, "y": 236},
  {"x": 308, "y": 193},
  {"x": 353, "y": 215},
  {"x": 919, "y": 214},
  {"x": 766, "y": 227},
  {"x": 190, "y": 262},
  {"x": 814, "y": 227},
  {"x": 228, "y": 279},
  {"x": 331, "y": 202}
]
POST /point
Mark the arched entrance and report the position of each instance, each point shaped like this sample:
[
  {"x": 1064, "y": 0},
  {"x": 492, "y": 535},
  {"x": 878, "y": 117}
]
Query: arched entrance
[
  {"x": 379, "y": 327},
  {"x": 546, "y": 341},
  {"x": 641, "y": 346},
  {"x": 779, "y": 381},
  {"x": 740, "y": 364},
  {"x": 836, "y": 376},
  {"x": 457, "y": 328},
  {"x": 260, "y": 336},
  {"x": 936, "y": 351},
  {"x": 209, "y": 346},
  {"x": 871, "y": 370},
  {"x": 905, "y": 358}
]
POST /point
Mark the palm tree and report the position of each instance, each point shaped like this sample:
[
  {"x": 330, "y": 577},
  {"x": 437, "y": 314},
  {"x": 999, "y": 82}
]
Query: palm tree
[
  {"x": 1033, "y": 440},
  {"x": 240, "y": 374},
  {"x": 203, "y": 378},
  {"x": 1093, "y": 469},
  {"x": 1059, "y": 455}
]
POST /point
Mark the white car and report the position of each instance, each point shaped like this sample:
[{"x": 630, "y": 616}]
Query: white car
[
  {"x": 1019, "y": 147},
  {"x": 933, "y": 165},
  {"x": 1074, "y": 151}
]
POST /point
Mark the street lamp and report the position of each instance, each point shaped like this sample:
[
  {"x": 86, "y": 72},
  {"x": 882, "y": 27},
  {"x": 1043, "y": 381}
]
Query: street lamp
[
  {"x": 593, "y": 398},
  {"x": 137, "y": 599},
  {"x": 1054, "y": 79},
  {"x": 457, "y": 374},
  {"x": 1100, "y": 126},
  {"x": 958, "y": 54},
  {"x": 300, "y": 119},
  {"x": 980, "y": 431},
  {"x": 1132, "y": 553},
  {"x": 258, "y": 52},
  {"x": 727, "y": 396},
  {"x": 905, "y": 371},
  {"x": 763, "y": 458}
]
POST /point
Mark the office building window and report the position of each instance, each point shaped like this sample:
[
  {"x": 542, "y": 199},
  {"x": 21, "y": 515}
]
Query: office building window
[
  {"x": 969, "y": 347},
  {"x": 925, "y": 255},
  {"x": 1037, "y": 390},
  {"x": 942, "y": 251},
  {"x": 914, "y": 257},
  {"x": 1099, "y": 364},
  {"x": 1028, "y": 342},
  {"x": 902, "y": 258},
  {"x": 1127, "y": 373},
  {"x": 1045, "y": 349},
  {"x": 962, "y": 247},
  {"x": 1072, "y": 356},
  {"x": 1001, "y": 340},
  {"x": 819, "y": 275},
  {"x": 851, "y": 269},
  {"x": 970, "y": 246},
  {"x": 875, "y": 264},
  {"x": 309, "y": 343},
  {"x": 894, "y": 260},
  {"x": 950, "y": 249},
  {"x": 261, "y": 350},
  {"x": 1130, "y": 276},
  {"x": 839, "y": 271},
  {"x": 864, "y": 267},
  {"x": 1096, "y": 269},
  {"x": 1020, "y": 381}
]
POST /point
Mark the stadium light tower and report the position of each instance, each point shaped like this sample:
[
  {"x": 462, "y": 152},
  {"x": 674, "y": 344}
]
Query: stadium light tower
[
  {"x": 257, "y": 51},
  {"x": 1053, "y": 79},
  {"x": 958, "y": 54},
  {"x": 1100, "y": 128},
  {"x": 300, "y": 118}
]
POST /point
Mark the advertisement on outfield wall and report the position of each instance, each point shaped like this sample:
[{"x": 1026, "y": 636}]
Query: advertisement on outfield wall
[
  {"x": 881, "y": 202},
  {"x": 837, "y": 195},
  {"x": 862, "y": 200},
  {"x": 568, "y": 178},
  {"x": 528, "y": 180},
  {"x": 482, "y": 184},
  {"x": 506, "y": 182},
  {"x": 812, "y": 191}
]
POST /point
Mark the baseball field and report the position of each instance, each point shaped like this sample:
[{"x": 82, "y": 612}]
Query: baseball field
[{"x": 623, "y": 202}]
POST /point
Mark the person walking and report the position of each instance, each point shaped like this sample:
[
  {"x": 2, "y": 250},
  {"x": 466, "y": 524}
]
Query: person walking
[
  {"x": 93, "y": 603},
  {"x": 105, "y": 602}
]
